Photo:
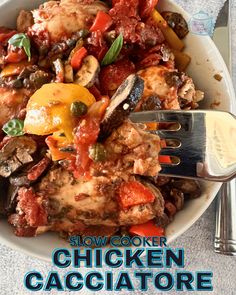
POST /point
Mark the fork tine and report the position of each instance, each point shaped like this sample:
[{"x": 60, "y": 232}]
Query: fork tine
[
  {"x": 171, "y": 152},
  {"x": 162, "y": 116},
  {"x": 208, "y": 140},
  {"x": 181, "y": 170}
]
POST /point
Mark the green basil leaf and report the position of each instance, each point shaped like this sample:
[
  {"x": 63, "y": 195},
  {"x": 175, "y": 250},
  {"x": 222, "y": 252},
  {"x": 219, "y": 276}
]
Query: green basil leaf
[
  {"x": 114, "y": 51},
  {"x": 14, "y": 127},
  {"x": 21, "y": 41}
]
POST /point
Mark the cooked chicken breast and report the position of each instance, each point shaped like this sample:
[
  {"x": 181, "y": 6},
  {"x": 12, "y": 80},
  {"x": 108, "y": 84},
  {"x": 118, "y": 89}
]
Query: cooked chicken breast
[
  {"x": 155, "y": 83},
  {"x": 74, "y": 205},
  {"x": 170, "y": 86},
  {"x": 55, "y": 21}
]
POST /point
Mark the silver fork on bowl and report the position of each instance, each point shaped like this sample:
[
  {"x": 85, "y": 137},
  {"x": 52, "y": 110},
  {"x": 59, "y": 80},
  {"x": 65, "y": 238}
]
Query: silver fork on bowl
[
  {"x": 225, "y": 231},
  {"x": 201, "y": 144}
]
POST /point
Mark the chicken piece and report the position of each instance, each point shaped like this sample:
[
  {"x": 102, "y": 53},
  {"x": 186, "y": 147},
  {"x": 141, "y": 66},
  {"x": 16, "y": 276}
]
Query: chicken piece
[
  {"x": 75, "y": 204},
  {"x": 56, "y": 21},
  {"x": 12, "y": 103},
  {"x": 134, "y": 150},
  {"x": 157, "y": 82},
  {"x": 80, "y": 205},
  {"x": 188, "y": 95}
]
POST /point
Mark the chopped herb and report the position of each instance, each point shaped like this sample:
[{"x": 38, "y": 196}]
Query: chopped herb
[
  {"x": 114, "y": 51},
  {"x": 21, "y": 41},
  {"x": 14, "y": 127}
]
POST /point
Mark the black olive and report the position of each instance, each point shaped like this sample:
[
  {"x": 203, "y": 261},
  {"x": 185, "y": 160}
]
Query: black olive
[
  {"x": 17, "y": 84},
  {"x": 153, "y": 103},
  {"x": 67, "y": 149},
  {"x": 174, "y": 79},
  {"x": 83, "y": 33}
]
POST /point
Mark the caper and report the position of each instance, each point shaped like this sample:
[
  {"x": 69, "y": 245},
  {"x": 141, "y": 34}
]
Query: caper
[
  {"x": 78, "y": 108},
  {"x": 67, "y": 149},
  {"x": 83, "y": 33},
  {"x": 97, "y": 152}
]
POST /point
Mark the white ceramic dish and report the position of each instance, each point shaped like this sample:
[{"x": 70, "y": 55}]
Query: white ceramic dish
[{"x": 206, "y": 61}]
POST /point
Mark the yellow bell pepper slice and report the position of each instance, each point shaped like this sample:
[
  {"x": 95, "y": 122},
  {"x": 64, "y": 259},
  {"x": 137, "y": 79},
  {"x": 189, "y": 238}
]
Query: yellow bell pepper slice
[
  {"x": 48, "y": 109},
  {"x": 172, "y": 39},
  {"x": 182, "y": 60},
  {"x": 13, "y": 69}
]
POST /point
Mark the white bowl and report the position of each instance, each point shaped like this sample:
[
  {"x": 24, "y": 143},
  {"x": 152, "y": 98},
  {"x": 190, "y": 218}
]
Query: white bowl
[{"x": 206, "y": 62}]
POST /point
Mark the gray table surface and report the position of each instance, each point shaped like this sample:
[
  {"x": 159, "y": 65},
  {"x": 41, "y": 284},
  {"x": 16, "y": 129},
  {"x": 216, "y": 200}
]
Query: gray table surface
[{"x": 197, "y": 242}]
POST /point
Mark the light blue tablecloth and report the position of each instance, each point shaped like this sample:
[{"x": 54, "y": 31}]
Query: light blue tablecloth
[{"x": 197, "y": 242}]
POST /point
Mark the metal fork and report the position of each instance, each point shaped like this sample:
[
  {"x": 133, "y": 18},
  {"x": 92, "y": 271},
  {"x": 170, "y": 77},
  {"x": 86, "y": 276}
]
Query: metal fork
[
  {"x": 225, "y": 231},
  {"x": 206, "y": 146}
]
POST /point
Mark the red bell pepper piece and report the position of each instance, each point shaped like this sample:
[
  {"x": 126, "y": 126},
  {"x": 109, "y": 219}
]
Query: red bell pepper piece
[
  {"x": 162, "y": 158},
  {"x": 102, "y": 22},
  {"x": 147, "y": 7},
  {"x": 134, "y": 193},
  {"x": 165, "y": 159},
  {"x": 6, "y": 34},
  {"x": 78, "y": 57},
  {"x": 148, "y": 229},
  {"x": 15, "y": 55}
]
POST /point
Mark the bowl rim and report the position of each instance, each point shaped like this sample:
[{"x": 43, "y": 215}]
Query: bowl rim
[{"x": 214, "y": 189}]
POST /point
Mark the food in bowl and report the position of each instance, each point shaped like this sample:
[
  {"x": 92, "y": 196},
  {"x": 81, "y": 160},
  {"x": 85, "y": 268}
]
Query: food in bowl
[{"x": 70, "y": 158}]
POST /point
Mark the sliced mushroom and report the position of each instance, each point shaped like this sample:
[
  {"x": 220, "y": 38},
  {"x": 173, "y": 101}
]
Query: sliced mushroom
[
  {"x": 190, "y": 188},
  {"x": 3, "y": 195},
  {"x": 69, "y": 75},
  {"x": 16, "y": 153},
  {"x": 24, "y": 21},
  {"x": 36, "y": 79},
  {"x": 178, "y": 198},
  {"x": 20, "y": 180},
  {"x": 162, "y": 221},
  {"x": 159, "y": 202},
  {"x": 11, "y": 199},
  {"x": 88, "y": 72},
  {"x": 59, "y": 70},
  {"x": 176, "y": 22},
  {"x": 122, "y": 104}
]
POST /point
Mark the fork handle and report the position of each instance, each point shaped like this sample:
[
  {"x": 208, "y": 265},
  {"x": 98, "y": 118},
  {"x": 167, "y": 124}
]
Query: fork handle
[{"x": 225, "y": 235}]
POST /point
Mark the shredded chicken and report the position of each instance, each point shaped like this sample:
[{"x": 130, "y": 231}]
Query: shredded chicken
[
  {"x": 189, "y": 94},
  {"x": 155, "y": 84},
  {"x": 56, "y": 21},
  {"x": 133, "y": 150}
]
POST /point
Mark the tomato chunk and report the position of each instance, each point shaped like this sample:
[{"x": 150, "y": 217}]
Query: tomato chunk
[
  {"x": 86, "y": 134},
  {"x": 102, "y": 22},
  {"x": 134, "y": 193},
  {"x": 165, "y": 159},
  {"x": 147, "y": 7},
  {"x": 113, "y": 75},
  {"x": 15, "y": 55},
  {"x": 162, "y": 158},
  {"x": 5, "y": 35},
  {"x": 31, "y": 205},
  {"x": 78, "y": 57},
  {"x": 37, "y": 170},
  {"x": 148, "y": 229}
]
